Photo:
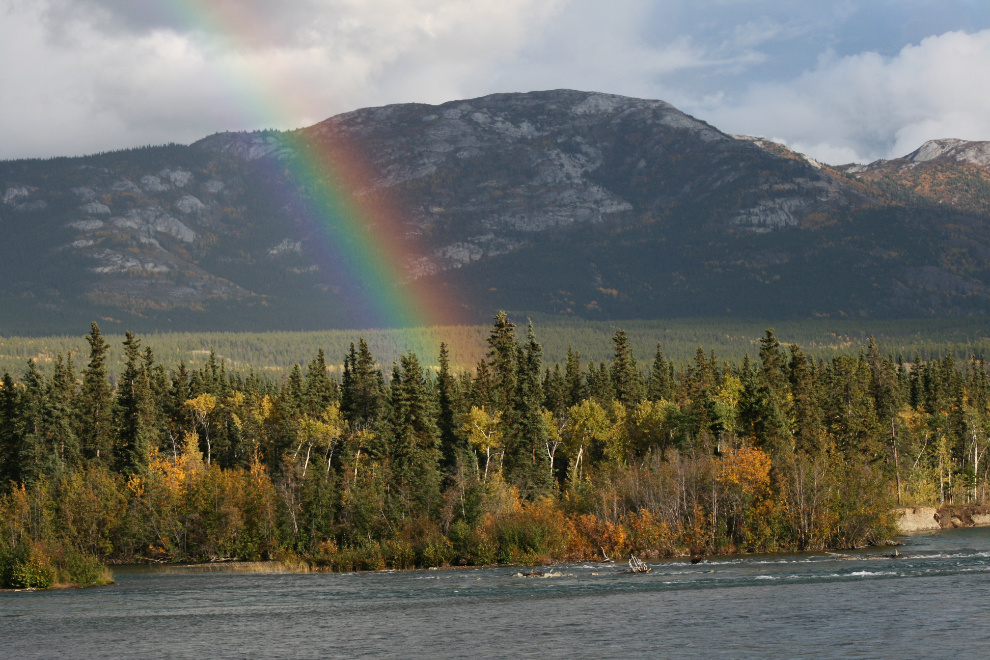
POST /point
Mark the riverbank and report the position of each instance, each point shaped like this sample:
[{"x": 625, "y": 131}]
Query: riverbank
[
  {"x": 105, "y": 580},
  {"x": 488, "y": 612},
  {"x": 928, "y": 518}
]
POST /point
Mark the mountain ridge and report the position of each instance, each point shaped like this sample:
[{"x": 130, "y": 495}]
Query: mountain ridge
[{"x": 559, "y": 202}]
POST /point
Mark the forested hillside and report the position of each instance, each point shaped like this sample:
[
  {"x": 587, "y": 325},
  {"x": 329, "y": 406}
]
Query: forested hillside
[{"x": 510, "y": 461}]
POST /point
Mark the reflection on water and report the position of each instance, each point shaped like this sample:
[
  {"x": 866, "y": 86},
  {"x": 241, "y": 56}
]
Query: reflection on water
[{"x": 926, "y": 602}]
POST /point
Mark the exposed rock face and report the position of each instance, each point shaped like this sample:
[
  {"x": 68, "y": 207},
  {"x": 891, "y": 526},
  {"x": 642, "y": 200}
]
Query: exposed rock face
[
  {"x": 130, "y": 236},
  {"x": 514, "y": 165},
  {"x": 961, "y": 151},
  {"x": 927, "y": 518},
  {"x": 15, "y": 193},
  {"x": 18, "y": 197},
  {"x": 95, "y": 208},
  {"x": 917, "y": 519}
]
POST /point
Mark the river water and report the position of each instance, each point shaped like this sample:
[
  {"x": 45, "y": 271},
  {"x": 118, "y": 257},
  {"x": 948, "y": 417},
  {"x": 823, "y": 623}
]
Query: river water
[{"x": 930, "y": 602}]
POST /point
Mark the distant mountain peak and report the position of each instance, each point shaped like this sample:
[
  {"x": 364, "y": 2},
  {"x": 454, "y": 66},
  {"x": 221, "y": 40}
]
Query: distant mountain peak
[{"x": 952, "y": 149}]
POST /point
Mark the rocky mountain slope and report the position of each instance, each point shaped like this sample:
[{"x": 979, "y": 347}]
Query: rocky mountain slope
[
  {"x": 950, "y": 172},
  {"x": 557, "y": 202}
]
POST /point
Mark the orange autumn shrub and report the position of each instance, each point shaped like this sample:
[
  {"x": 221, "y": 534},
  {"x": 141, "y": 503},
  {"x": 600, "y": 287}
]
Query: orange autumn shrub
[
  {"x": 650, "y": 537},
  {"x": 592, "y": 537}
]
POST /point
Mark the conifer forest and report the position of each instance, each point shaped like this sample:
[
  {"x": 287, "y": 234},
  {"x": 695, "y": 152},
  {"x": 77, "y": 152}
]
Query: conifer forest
[{"x": 513, "y": 461}]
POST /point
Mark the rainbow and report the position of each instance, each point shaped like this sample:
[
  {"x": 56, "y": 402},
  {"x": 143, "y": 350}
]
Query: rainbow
[{"x": 365, "y": 233}]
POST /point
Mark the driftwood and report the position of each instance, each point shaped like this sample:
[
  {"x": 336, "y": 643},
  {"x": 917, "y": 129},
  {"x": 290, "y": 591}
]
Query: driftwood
[{"x": 637, "y": 565}]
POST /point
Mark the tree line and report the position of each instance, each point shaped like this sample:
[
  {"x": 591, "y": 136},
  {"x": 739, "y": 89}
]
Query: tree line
[{"x": 514, "y": 460}]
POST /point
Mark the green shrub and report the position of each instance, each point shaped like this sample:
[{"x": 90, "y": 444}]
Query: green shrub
[
  {"x": 26, "y": 566},
  {"x": 80, "y": 568}
]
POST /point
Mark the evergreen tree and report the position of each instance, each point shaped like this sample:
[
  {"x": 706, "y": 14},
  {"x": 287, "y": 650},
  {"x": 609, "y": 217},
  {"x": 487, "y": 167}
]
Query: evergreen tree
[
  {"x": 849, "y": 411},
  {"x": 320, "y": 390},
  {"x": 883, "y": 384},
  {"x": 446, "y": 396},
  {"x": 362, "y": 395},
  {"x": 61, "y": 406},
  {"x": 599, "y": 384},
  {"x": 10, "y": 437},
  {"x": 573, "y": 378},
  {"x": 135, "y": 411},
  {"x": 807, "y": 410},
  {"x": 503, "y": 351},
  {"x": 35, "y": 456},
  {"x": 526, "y": 460},
  {"x": 772, "y": 424},
  {"x": 415, "y": 439},
  {"x": 627, "y": 382},
  {"x": 481, "y": 387},
  {"x": 160, "y": 403},
  {"x": 292, "y": 395},
  {"x": 175, "y": 411},
  {"x": 660, "y": 384},
  {"x": 95, "y": 429},
  {"x": 555, "y": 392}
]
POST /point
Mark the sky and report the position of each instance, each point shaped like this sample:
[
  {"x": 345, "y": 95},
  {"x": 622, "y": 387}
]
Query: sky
[{"x": 841, "y": 80}]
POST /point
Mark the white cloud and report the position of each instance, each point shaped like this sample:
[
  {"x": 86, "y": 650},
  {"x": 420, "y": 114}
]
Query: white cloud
[
  {"x": 867, "y": 106},
  {"x": 90, "y": 75},
  {"x": 85, "y": 81}
]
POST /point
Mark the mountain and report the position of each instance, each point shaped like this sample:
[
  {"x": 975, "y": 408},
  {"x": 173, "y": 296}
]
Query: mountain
[
  {"x": 558, "y": 202},
  {"x": 949, "y": 172}
]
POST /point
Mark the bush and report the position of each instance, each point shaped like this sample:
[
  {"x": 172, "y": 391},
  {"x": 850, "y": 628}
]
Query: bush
[
  {"x": 536, "y": 533},
  {"x": 81, "y": 568},
  {"x": 26, "y": 566}
]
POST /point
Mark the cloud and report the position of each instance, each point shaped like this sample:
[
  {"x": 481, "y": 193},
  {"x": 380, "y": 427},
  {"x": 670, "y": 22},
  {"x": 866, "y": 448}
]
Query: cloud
[
  {"x": 97, "y": 74},
  {"x": 831, "y": 77},
  {"x": 866, "y": 106}
]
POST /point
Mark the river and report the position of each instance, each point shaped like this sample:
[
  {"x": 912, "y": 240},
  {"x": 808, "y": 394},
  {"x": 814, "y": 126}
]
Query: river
[{"x": 929, "y": 602}]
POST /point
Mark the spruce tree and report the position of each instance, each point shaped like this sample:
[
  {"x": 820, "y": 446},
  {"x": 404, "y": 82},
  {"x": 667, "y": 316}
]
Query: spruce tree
[
  {"x": 363, "y": 387},
  {"x": 95, "y": 421},
  {"x": 660, "y": 385},
  {"x": 555, "y": 391},
  {"x": 320, "y": 390},
  {"x": 61, "y": 406},
  {"x": 10, "y": 437},
  {"x": 481, "y": 388},
  {"x": 292, "y": 395},
  {"x": 883, "y": 384},
  {"x": 35, "y": 455},
  {"x": 135, "y": 418},
  {"x": 175, "y": 411},
  {"x": 806, "y": 406},
  {"x": 503, "y": 352},
  {"x": 415, "y": 442},
  {"x": 772, "y": 423},
  {"x": 627, "y": 382},
  {"x": 526, "y": 460},
  {"x": 573, "y": 378},
  {"x": 599, "y": 384},
  {"x": 446, "y": 395},
  {"x": 160, "y": 402}
]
